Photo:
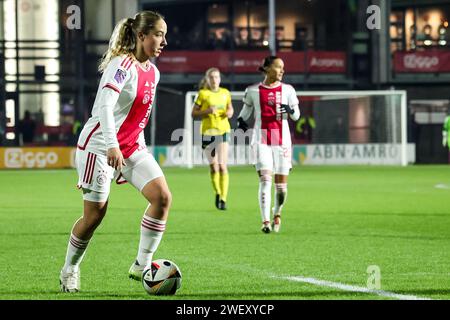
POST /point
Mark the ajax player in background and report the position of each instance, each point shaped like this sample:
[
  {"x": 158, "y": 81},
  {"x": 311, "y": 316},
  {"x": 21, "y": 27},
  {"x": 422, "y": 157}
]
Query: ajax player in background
[
  {"x": 213, "y": 106},
  {"x": 272, "y": 102},
  {"x": 112, "y": 146}
]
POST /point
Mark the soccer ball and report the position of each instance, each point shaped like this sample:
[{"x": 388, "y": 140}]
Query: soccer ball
[{"x": 162, "y": 278}]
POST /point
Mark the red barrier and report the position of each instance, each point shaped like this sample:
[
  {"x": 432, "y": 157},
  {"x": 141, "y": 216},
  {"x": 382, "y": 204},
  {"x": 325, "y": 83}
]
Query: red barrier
[{"x": 249, "y": 61}]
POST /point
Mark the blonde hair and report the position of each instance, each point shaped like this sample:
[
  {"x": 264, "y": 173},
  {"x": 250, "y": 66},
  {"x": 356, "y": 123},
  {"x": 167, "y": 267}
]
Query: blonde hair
[
  {"x": 123, "y": 38},
  {"x": 204, "y": 82}
]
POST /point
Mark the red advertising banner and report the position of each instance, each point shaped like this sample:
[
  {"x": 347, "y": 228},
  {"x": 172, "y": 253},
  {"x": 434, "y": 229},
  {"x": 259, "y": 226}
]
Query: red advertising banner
[
  {"x": 424, "y": 61},
  {"x": 327, "y": 62},
  {"x": 249, "y": 61}
]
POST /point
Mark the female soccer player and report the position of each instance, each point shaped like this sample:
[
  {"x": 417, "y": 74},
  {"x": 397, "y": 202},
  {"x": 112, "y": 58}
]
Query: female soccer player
[
  {"x": 272, "y": 102},
  {"x": 112, "y": 146},
  {"x": 213, "y": 106}
]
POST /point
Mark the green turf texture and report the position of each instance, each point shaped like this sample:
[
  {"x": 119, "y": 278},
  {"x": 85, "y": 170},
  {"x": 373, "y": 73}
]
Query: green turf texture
[{"x": 336, "y": 223}]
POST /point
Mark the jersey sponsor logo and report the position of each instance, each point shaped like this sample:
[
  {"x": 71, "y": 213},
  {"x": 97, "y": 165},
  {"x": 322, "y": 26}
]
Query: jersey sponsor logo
[
  {"x": 120, "y": 76},
  {"x": 145, "y": 119},
  {"x": 270, "y": 99},
  {"x": 148, "y": 98}
]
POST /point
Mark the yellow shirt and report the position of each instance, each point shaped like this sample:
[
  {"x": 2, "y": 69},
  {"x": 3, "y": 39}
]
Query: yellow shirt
[{"x": 216, "y": 123}]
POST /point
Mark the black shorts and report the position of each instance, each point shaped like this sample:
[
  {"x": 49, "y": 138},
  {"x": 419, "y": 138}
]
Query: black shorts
[{"x": 207, "y": 140}]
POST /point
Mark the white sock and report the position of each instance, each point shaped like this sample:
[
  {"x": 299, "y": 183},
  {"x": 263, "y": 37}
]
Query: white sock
[
  {"x": 75, "y": 252},
  {"x": 265, "y": 186},
  {"x": 280, "y": 196},
  {"x": 151, "y": 234}
]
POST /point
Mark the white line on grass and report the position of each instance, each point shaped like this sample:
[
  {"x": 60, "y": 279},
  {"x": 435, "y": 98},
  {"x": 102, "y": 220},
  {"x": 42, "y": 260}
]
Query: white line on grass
[
  {"x": 441, "y": 186},
  {"x": 346, "y": 287}
]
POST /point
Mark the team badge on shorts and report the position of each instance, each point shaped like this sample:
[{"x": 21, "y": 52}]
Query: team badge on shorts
[{"x": 101, "y": 179}]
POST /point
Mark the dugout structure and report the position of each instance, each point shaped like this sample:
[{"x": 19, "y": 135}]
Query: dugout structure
[{"x": 336, "y": 127}]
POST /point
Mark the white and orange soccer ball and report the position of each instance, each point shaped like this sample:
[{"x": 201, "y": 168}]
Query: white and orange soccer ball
[{"x": 162, "y": 278}]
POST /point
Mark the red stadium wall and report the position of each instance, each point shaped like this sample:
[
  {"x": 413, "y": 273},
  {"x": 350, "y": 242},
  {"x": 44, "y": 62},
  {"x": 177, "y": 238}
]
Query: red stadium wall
[{"x": 249, "y": 61}]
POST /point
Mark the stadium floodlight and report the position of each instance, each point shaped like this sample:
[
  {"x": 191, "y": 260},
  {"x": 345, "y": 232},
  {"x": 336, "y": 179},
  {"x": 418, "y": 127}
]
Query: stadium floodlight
[{"x": 352, "y": 127}]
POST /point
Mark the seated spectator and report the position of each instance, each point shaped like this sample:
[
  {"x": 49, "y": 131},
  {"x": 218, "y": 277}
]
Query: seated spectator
[
  {"x": 241, "y": 40},
  {"x": 219, "y": 40}
]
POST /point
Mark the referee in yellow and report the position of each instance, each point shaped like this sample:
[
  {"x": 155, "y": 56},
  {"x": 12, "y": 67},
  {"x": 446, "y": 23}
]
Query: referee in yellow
[{"x": 213, "y": 105}]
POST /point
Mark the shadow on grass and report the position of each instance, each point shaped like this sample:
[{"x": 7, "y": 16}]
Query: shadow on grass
[
  {"x": 293, "y": 295},
  {"x": 424, "y": 292},
  {"x": 57, "y": 295}
]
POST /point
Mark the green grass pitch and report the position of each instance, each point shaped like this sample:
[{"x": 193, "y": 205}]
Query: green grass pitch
[{"x": 337, "y": 222}]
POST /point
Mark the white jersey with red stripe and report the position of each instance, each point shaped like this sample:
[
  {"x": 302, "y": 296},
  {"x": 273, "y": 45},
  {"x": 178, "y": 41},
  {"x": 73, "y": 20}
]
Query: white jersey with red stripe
[
  {"x": 122, "y": 107},
  {"x": 271, "y": 126}
]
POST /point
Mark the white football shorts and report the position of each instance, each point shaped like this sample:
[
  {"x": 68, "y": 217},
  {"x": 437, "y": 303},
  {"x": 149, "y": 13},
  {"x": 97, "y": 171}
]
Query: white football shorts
[
  {"x": 96, "y": 175},
  {"x": 277, "y": 159},
  {"x": 141, "y": 168},
  {"x": 93, "y": 171}
]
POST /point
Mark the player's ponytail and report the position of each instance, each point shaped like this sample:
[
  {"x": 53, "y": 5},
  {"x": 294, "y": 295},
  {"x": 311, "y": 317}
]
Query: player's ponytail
[{"x": 123, "y": 39}]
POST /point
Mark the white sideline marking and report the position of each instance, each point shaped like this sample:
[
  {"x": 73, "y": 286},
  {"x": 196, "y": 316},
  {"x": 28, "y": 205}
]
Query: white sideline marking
[
  {"x": 346, "y": 287},
  {"x": 441, "y": 186}
]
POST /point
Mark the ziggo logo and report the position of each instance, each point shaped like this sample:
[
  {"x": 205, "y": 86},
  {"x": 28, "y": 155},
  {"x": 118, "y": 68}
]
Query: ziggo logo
[
  {"x": 18, "y": 158},
  {"x": 412, "y": 61}
]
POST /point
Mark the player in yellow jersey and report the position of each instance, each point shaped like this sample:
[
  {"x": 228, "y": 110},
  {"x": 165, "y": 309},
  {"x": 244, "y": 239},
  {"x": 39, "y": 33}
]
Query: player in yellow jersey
[{"x": 213, "y": 105}]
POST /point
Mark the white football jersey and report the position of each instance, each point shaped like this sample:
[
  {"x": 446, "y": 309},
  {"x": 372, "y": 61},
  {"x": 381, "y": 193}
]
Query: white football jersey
[
  {"x": 271, "y": 126},
  {"x": 122, "y": 107}
]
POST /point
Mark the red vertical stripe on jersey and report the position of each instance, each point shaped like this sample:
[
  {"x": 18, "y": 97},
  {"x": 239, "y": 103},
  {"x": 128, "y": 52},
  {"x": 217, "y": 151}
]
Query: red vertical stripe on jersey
[
  {"x": 271, "y": 125},
  {"x": 139, "y": 113}
]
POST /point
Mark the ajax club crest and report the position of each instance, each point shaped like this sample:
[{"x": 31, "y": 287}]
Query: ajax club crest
[
  {"x": 101, "y": 178},
  {"x": 146, "y": 99}
]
